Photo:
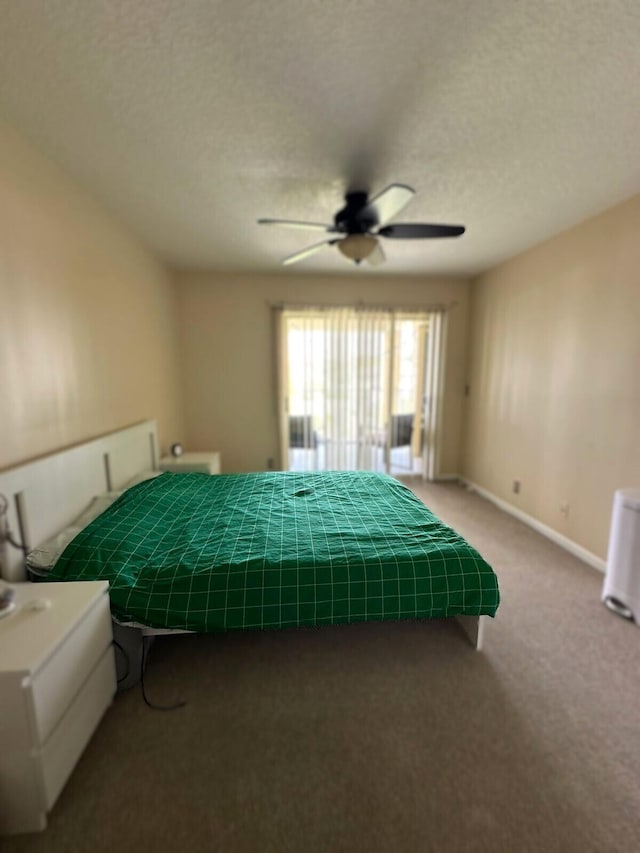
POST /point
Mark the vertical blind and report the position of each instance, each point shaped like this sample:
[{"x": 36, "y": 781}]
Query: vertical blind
[{"x": 352, "y": 384}]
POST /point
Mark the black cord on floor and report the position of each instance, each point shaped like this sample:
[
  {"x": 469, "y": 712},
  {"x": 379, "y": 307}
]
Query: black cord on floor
[
  {"x": 143, "y": 660},
  {"x": 128, "y": 662}
]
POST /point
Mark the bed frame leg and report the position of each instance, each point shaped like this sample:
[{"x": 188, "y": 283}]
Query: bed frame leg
[{"x": 473, "y": 627}]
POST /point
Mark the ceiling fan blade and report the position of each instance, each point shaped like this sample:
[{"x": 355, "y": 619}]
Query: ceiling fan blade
[
  {"x": 305, "y": 253},
  {"x": 420, "y": 231},
  {"x": 388, "y": 203},
  {"x": 289, "y": 223},
  {"x": 377, "y": 257}
]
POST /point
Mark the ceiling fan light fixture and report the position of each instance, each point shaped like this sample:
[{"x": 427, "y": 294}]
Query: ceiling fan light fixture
[{"x": 357, "y": 247}]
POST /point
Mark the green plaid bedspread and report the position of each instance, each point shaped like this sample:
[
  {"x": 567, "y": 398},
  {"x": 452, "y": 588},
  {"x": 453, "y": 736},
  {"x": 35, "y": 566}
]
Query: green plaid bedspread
[{"x": 274, "y": 550}]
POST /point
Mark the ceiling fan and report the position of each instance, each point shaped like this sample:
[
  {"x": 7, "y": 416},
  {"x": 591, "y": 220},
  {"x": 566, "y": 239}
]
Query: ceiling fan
[{"x": 362, "y": 221}]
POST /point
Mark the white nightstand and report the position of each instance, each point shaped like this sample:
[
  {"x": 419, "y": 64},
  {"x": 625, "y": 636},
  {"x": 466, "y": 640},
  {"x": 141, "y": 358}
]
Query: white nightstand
[
  {"x": 200, "y": 463},
  {"x": 57, "y": 678}
]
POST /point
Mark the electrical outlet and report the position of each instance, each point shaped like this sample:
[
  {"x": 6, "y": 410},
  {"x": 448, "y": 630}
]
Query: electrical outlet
[
  {"x": 564, "y": 509},
  {"x": 270, "y": 463},
  {"x": 516, "y": 487}
]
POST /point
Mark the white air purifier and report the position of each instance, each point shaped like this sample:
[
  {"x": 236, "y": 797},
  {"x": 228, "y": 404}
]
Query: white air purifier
[{"x": 621, "y": 590}]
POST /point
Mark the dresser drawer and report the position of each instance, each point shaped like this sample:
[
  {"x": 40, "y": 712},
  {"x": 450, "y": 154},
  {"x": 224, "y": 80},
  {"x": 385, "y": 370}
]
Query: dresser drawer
[
  {"x": 56, "y": 684},
  {"x": 66, "y": 744}
]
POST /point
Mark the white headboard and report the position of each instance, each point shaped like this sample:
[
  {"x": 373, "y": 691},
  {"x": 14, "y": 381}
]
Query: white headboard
[{"x": 47, "y": 494}]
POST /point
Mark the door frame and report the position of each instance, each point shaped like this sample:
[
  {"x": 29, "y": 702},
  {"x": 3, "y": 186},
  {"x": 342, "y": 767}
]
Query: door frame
[{"x": 434, "y": 352}]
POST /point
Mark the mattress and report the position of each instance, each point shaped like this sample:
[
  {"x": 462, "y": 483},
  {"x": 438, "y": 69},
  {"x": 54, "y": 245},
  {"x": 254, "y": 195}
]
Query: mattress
[{"x": 275, "y": 550}]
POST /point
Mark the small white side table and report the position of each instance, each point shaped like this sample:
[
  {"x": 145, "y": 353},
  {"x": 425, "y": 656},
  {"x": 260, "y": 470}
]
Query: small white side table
[
  {"x": 199, "y": 463},
  {"x": 57, "y": 678}
]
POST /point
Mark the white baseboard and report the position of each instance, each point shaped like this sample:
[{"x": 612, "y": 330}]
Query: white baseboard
[{"x": 564, "y": 541}]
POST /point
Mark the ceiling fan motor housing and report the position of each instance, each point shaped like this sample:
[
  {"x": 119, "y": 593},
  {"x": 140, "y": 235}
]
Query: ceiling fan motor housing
[{"x": 355, "y": 217}]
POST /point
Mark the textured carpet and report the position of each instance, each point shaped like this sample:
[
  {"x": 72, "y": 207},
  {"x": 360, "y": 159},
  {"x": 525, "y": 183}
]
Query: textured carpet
[{"x": 381, "y": 737}]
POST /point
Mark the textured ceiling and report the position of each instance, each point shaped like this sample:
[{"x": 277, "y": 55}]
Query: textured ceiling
[{"x": 192, "y": 118}]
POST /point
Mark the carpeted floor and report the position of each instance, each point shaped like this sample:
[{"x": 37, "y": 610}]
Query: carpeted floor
[{"x": 381, "y": 737}]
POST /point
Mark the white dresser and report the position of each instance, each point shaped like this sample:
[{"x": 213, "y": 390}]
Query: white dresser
[
  {"x": 57, "y": 678},
  {"x": 199, "y": 463}
]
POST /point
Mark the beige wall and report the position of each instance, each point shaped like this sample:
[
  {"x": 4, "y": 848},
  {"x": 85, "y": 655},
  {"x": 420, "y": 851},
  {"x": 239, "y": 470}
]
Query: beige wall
[
  {"x": 228, "y": 362},
  {"x": 87, "y": 332},
  {"x": 554, "y": 369}
]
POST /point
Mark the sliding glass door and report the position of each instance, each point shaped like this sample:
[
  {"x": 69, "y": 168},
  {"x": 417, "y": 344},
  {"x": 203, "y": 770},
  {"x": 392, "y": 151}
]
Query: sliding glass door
[{"x": 353, "y": 388}]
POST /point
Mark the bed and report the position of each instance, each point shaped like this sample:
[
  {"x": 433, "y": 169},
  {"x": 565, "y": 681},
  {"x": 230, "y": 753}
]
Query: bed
[{"x": 192, "y": 552}]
